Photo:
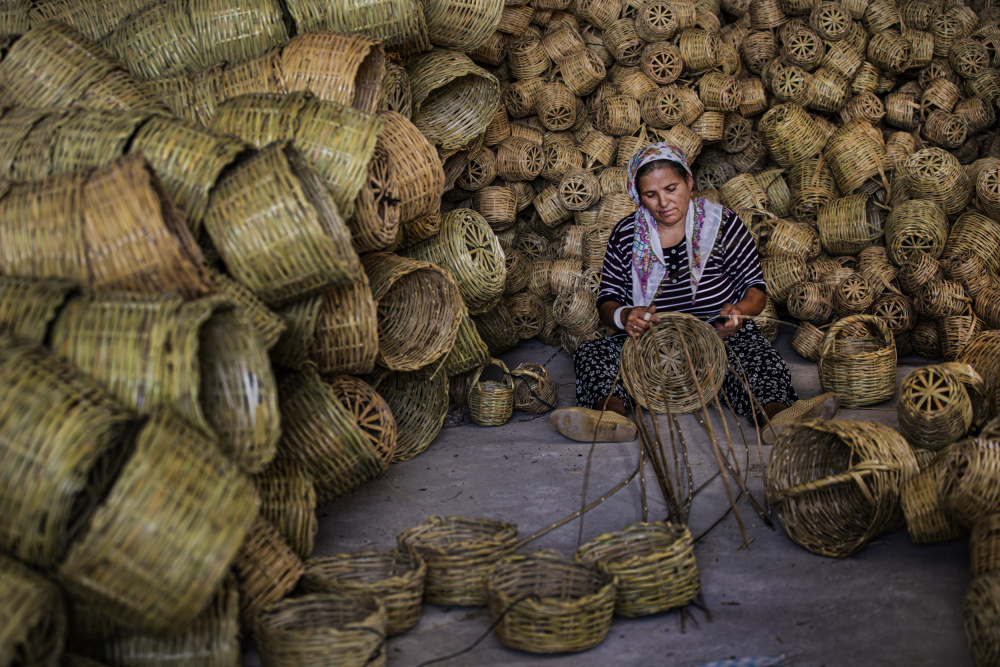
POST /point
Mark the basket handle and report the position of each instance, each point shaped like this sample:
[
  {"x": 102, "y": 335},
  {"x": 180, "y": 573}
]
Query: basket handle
[
  {"x": 856, "y": 474},
  {"x": 493, "y": 362}
]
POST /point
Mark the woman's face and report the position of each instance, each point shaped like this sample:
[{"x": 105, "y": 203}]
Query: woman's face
[{"x": 666, "y": 195}]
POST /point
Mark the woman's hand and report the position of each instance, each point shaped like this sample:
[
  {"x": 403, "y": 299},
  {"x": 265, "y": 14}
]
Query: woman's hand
[
  {"x": 730, "y": 320},
  {"x": 639, "y": 319}
]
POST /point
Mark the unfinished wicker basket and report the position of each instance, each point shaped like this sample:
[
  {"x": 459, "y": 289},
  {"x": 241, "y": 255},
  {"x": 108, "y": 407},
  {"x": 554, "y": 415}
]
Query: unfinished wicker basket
[
  {"x": 836, "y": 484},
  {"x": 546, "y": 603},
  {"x": 459, "y": 553},
  {"x": 653, "y": 562},
  {"x": 267, "y": 570},
  {"x": 32, "y": 615},
  {"x": 861, "y": 369},
  {"x": 288, "y": 502},
  {"x": 418, "y": 402},
  {"x": 160, "y": 543}
]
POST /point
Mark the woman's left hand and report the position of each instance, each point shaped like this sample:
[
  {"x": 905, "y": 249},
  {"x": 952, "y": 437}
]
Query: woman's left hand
[{"x": 729, "y": 322}]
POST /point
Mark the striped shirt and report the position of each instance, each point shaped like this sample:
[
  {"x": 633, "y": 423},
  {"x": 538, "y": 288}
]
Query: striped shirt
[{"x": 733, "y": 267}]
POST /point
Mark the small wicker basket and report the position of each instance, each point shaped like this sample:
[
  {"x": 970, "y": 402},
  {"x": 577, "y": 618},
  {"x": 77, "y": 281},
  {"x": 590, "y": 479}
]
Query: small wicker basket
[
  {"x": 966, "y": 485},
  {"x": 491, "y": 403},
  {"x": 534, "y": 388},
  {"x": 934, "y": 408},
  {"x": 862, "y": 369}
]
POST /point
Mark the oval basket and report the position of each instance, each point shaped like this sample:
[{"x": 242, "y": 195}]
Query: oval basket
[
  {"x": 534, "y": 388},
  {"x": 496, "y": 328},
  {"x": 678, "y": 369},
  {"x": 546, "y": 603},
  {"x": 161, "y": 542},
  {"x": 334, "y": 66},
  {"x": 395, "y": 577},
  {"x": 837, "y": 483},
  {"x": 459, "y": 553},
  {"x": 288, "y": 502},
  {"x": 418, "y": 402},
  {"x": 934, "y": 408},
  {"x": 861, "y": 369},
  {"x": 33, "y": 616},
  {"x": 653, "y": 562},
  {"x": 491, "y": 403},
  {"x": 419, "y": 173}
]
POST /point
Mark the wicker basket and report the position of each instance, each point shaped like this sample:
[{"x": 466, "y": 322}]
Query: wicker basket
[
  {"x": 459, "y": 553},
  {"x": 418, "y": 170},
  {"x": 325, "y": 436},
  {"x": 480, "y": 171},
  {"x": 395, "y": 577},
  {"x": 916, "y": 226},
  {"x": 267, "y": 570},
  {"x": 62, "y": 445},
  {"x": 987, "y": 307},
  {"x": 850, "y": 224},
  {"x": 955, "y": 332},
  {"x": 926, "y": 522},
  {"x": 491, "y": 402},
  {"x": 935, "y": 174},
  {"x": 934, "y": 408},
  {"x": 856, "y": 155},
  {"x": 157, "y": 40},
  {"x": 213, "y": 637},
  {"x": 836, "y": 484},
  {"x": 545, "y": 603},
  {"x": 463, "y": 25},
  {"x": 336, "y": 627},
  {"x": 213, "y": 369},
  {"x": 852, "y": 295},
  {"x": 268, "y": 325},
  {"x": 336, "y": 67},
  {"x": 808, "y": 340},
  {"x": 161, "y": 542},
  {"x": 418, "y": 402},
  {"x": 496, "y": 329},
  {"x": 399, "y": 24},
  {"x": 534, "y": 388},
  {"x": 288, "y": 502},
  {"x": 791, "y": 135},
  {"x": 395, "y": 94},
  {"x": 862, "y": 370},
  {"x": 981, "y": 615},
  {"x": 782, "y": 272},
  {"x": 32, "y": 615},
  {"x": 442, "y": 83},
  {"x": 918, "y": 270},
  {"x": 966, "y": 483},
  {"x": 470, "y": 351},
  {"x": 984, "y": 546},
  {"x": 29, "y": 307},
  {"x": 370, "y": 411},
  {"x": 677, "y": 369},
  {"x": 653, "y": 562},
  {"x": 977, "y": 234}
]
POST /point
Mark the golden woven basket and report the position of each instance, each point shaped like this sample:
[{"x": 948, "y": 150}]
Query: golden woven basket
[
  {"x": 926, "y": 522},
  {"x": 268, "y": 324},
  {"x": 970, "y": 271},
  {"x": 62, "y": 438},
  {"x": 916, "y": 226},
  {"x": 917, "y": 270},
  {"x": 334, "y": 66},
  {"x": 861, "y": 369},
  {"x": 807, "y": 340},
  {"x": 496, "y": 329},
  {"x": 336, "y": 627},
  {"x": 935, "y": 174},
  {"x": 418, "y": 402},
  {"x": 978, "y": 234},
  {"x": 955, "y": 332},
  {"x": 782, "y": 272},
  {"x": 459, "y": 553},
  {"x": 850, "y": 224},
  {"x": 491, "y": 402},
  {"x": 678, "y": 368},
  {"x": 965, "y": 485},
  {"x": 534, "y": 388},
  {"x": 934, "y": 408},
  {"x": 836, "y": 484},
  {"x": 653, "y": 562},
  {"x": 161, "y": 542},
  {"x": 370, "y": 411},
  {"x": 546, "y": 603},
  {"x": 418, "y": 171},
  {"x": 790, "y": 134},
  {"x": 288, "y": 502},
  {"x": 267, "y": 570},
  {"x": 470, "y": 351},
  {"x": 33, "y": 616},
  {"x": 395, "y": 577}
]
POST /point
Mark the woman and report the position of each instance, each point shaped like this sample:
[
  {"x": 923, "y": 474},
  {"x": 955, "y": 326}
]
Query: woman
[{"x": 685, "y": 255}]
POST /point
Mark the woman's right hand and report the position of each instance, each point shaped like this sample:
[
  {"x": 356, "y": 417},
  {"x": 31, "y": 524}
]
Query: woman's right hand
[{"x": 639, "y": 319}]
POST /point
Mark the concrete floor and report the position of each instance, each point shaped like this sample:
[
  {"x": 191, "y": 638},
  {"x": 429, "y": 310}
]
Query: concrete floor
[{"x": 892, "y": 604}]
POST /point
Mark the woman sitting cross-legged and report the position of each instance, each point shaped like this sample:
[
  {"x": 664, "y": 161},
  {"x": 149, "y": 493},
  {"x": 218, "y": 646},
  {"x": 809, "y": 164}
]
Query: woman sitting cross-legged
[{"x": 683, "y": 255}]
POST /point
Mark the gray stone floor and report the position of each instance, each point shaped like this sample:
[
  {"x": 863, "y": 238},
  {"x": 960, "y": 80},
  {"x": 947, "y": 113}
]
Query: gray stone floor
[{"x": 892, "y": 604}]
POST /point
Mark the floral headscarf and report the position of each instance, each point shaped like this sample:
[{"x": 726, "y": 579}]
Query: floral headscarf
[{"x": 701, "y": 227}]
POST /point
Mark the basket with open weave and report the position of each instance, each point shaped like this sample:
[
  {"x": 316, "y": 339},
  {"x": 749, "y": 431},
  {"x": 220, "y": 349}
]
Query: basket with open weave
[
  {"x": 395, "y": 577},
  {"x": 836, "y": 484},
  {"x": 534, "y": 388},
  {"x": 934, "y": 408},
  {"x": 161, "y": 542},
  {"x": 546, "y": 603},
  {"x": 418, "y": 401},
  {"x": 858, "y": 360},
  {"x": 496, "y": 329},
  {"x": 459, "y": 553},
  {"x": 288, "y": 502},
  {"x": 32, "y": 616},
  {"x": 470, "y": 350},
  {"x": 677, "y": 367},
  {"x": 491, "y": 402},
  {"x": 398, "y": 23},
  {"x": 966, "y": 482},
  {"x": 926, "y": 520},
  {"x": 654, "y": 564}
]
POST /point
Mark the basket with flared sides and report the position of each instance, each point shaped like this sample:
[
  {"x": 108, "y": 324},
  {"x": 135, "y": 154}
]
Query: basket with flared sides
[
  {"x": 534, "y": 388},
  {"x": 443, "y": 82},
  {"x": 212, "y": 638},
  {"x": 336, "y": 67},
  {"x": 496, "y": 329},
  {"x": 934, "y": 408},
  {"x": 32, "y": 615},
  {"x": 918, "y": 225},
  {"x": 546, "y": 603},
  {"x": 470, "y": 351},
  {"x": 966, "y": 484},
  {"x": 325, "y": 437},
  {"x": 343, "y": 627},
  {"x": 677, "y": 368},
  {"x": 62, "y": 438},
  {"x": 463, "y": 25},
  {"x": 955, "y": 332},
  {"x": 395, "y": 577},
  {"x": 161, "y": 542},
  {"x": 935, "y": 174},
  {"x": 791, "y": 134},
  {"x": 28, "y": 307},
  {"x": 807, "y": 340},
  {"x": 981, "y": 618},
  {"x": 418, "y": 402},
  {"x": 491, "y": 402},
  {"x": 861, "y": 369},
  {"x": 277, "y": 229},
  {"x": 926, "y": 521},
  {"x": 836, "y": 484},
  {"x": 336, "y": 330},
  {"x": 459, "y": 553},
  {"x": 653, "y": 562},
  {"x": 418, "y": 170},
  {"x": 288, "y": 502},
  {"x": 267, "y": 570}
]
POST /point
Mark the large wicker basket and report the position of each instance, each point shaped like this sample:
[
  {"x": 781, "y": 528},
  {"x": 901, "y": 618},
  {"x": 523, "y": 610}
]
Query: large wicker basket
[
  {"x": 32, "y": 616},
  {"x": 29, "y": 307},
  {"x": 546, "y": 603},
  {"x": 162, "y": 541},
  {"x": 418, "y": 170},
  {"x": 837, "y": 483},
  {"x": 459, "y": 552},
  {"x": 419, "y": 402},
  {"x": 861, "y": 368}
]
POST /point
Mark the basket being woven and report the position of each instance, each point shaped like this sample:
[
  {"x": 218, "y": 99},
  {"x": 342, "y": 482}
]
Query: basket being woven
[
  {"x": 32, "y": 616},
  {"x": 677, "y": 367},
  {"x": 491, "y": 403},
  {"x": 837, "y": 484},
  {"x": 459, "y": 553},
  {"x": 395, "y": 577},
  {"x": 654, "y": 564},
  {"x": 162, "y": 541},
  {"x": 546, "y": 603},
  {"x": 861, "y": 374}
]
